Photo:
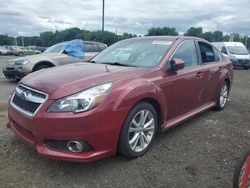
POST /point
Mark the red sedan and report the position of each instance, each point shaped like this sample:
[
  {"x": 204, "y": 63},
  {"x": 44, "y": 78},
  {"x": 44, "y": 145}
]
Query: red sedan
[{"x": 120, "y": 99}]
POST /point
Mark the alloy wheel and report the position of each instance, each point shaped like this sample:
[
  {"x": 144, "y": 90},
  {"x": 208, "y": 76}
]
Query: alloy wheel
[
  {"x": 223, "y": 95},
  {"x": 141, "y": 130}
]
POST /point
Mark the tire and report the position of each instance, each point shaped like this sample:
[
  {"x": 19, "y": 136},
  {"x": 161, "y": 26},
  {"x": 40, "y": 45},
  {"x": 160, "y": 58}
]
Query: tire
[
  {"x": 20, "y": 54},
  {"x": 245, "y": 68},
  {"x": 137, "y": 133},
  {"x": 239, "y": 171},
  {"x": 39, "y": 67}
]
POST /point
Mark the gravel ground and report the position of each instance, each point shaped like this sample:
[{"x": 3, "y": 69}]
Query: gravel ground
[{"x": 201, "y": 152}]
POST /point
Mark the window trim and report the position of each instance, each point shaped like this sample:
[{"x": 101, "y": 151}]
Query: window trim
[
  {"x": 213, "y": 48},
  {"x": 171, "y": 57}
]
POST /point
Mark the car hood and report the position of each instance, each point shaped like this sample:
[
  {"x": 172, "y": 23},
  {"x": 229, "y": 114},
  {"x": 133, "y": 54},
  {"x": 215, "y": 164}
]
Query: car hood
[
  {"x": 69, "y": 79},
  {"x": 36, "y": 57}
]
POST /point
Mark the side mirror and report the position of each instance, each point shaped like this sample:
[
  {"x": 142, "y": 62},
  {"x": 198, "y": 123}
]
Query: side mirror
[
  {"x": 177, "y": 64},
  {"x": 224, "y": 51}
]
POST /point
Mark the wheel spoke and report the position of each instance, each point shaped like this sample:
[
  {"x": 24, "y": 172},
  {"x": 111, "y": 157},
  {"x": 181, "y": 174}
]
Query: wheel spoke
[
  {"x": 133, "y": 142},
  {"x": 141, "y": 117},
  {"x": 149, "y": 123},
  {"x": 142, "y": 143},
  {"x": 145, "y": 116},
  {"x": 145, "y": 138},
  {"x": 135, "y": 123},
  {"x": 133, "y": 129},
  {"x": 150, "y": 128}
]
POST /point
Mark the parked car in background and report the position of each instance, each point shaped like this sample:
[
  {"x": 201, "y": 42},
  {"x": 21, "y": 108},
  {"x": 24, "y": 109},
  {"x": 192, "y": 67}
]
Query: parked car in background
[
  {"x": 53, "y": 56},
  {"x": 39, "y": 48},
  {"x": 118, "y": 102},
  {"x": 237, "y": 53},
  {"x": 3, "y": 50},
  {"x": 22, "y": 51}
]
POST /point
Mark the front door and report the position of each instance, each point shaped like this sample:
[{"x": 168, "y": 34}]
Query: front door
[{"x": 185, "y": 89}]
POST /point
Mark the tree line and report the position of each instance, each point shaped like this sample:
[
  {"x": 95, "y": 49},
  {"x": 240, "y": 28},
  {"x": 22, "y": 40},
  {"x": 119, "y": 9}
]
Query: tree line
[{"x": 49, "y": 38}]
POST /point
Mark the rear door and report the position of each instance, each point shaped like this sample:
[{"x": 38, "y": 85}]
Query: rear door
[
  {"x": 212, "y": 66},
  {"x": 184, "y": 88}
]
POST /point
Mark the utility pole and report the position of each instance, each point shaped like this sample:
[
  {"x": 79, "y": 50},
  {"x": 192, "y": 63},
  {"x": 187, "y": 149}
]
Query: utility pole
[
  {"x": 103, "y": 2},
  {"x": 246, "y": 40},
  {"x": 22, "y": 42}
]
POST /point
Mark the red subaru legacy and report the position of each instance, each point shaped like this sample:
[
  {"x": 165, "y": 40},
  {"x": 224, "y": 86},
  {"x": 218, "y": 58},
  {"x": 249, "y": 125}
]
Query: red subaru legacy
[{"x": 120, "y": 99}]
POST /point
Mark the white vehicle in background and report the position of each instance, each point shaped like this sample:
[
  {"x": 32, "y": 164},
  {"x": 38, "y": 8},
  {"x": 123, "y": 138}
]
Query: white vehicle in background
[
  {"x": 236, "y": 51},
  {"x": 3, "y": 51}
]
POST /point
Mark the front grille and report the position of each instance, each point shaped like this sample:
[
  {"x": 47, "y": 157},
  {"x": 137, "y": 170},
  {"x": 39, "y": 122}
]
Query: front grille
[
  {"x": 8, "y": 68},
  {"x": 244, "y": 61},
  {"x": 28, "y": 100},
  {"x": 28, "y": 106}
]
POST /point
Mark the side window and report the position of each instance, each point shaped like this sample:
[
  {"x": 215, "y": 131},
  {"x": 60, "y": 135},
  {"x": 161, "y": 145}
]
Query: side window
[
  {"x": 187, "y": 52},
  {"x": 90, "y": 47},
  {"x": 216, "y": 55},
  {"x": 224, "y": 50},
  {"x": 207, "y": 52}
]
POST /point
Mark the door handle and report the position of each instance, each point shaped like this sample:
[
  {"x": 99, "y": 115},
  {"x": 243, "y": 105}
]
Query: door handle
[{"x": 199, "y": 74}]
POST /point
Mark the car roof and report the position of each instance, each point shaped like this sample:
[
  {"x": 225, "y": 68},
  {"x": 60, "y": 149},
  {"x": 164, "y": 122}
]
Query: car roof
[{"x": 169, "y": 38}]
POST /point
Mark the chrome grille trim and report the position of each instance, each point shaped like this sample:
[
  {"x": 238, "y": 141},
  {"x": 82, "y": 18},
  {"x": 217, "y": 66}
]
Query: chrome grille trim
[{"x": 35, "y": 98}]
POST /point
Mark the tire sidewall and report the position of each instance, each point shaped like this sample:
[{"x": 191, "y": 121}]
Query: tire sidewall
[{"x": 124, "y": 147}]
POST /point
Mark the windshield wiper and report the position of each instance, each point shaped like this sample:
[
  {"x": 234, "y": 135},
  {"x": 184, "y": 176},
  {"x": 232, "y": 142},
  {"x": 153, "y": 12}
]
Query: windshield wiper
[{"x": 120, "y": 64}]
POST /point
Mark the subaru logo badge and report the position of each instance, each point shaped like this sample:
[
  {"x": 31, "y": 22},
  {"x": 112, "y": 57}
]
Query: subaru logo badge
[{"x": 24, "y": 95}]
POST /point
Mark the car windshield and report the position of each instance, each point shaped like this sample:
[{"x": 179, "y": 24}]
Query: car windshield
[
  {"x": 239, "y": 50},
  {"x": 136, "y": 53},
  {"x": 55, "y": 48}
]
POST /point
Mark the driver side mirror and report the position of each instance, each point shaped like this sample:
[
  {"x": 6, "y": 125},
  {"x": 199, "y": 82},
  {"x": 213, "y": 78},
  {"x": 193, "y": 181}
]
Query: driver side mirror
[
  {"x": 224, "y": 51},
  {"x": 177, "y": 64}
]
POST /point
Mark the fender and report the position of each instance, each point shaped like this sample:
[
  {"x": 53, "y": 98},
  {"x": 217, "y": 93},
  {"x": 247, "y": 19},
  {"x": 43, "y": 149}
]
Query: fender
[{"x": 139, "y": 90}]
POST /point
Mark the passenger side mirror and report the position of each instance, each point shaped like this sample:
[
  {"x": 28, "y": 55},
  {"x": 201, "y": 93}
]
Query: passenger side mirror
[
  {"x": 177, "y": 64},
  {"x": 224, "y": 51}
]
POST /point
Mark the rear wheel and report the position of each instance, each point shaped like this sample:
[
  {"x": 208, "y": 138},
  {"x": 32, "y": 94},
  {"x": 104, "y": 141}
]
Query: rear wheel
[
  {"x": 138, "y": 131},
  {"x": 20, "y": 54},
  {"x": 223, "y": 97},
  {"x": 39, "y": 67}
]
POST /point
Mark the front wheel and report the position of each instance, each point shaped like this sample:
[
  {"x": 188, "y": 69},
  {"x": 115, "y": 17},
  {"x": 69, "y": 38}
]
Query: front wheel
[
  {"x": 39, "y": 67},
  {"x": 223, "y": 97},
  {"x": 138, "y": 131}
]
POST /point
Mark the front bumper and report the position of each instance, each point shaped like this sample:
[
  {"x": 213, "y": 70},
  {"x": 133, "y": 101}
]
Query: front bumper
[
  {"x": 13, "y": 74},
  {"x": 99, "y": 127},
  {"x": 244, "y": 63}
]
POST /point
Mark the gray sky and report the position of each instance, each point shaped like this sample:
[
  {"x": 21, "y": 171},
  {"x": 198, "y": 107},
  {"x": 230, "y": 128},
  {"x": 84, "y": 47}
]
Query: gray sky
[{"x": 30, "y": 17}]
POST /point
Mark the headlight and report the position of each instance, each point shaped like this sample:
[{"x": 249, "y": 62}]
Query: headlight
[
  {"x": 81, "y": 101},
  {"x": 22, "y": 62}
]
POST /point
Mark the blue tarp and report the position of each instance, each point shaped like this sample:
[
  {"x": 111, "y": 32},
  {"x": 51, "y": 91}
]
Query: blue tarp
[{"x": 74, "y": 48}]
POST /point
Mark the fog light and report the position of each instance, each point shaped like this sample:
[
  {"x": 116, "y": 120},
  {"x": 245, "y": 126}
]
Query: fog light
[
  {"x": 75, "y": 146},
  {"x": 69, "y": 145}
]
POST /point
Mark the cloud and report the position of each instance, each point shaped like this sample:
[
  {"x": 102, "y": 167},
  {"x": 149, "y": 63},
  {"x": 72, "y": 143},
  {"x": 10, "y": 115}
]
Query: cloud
[{"x": 29, "y": 17}]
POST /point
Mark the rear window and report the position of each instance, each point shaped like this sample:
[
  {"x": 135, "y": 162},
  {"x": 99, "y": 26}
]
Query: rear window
[{"x": 90, "y": 47}]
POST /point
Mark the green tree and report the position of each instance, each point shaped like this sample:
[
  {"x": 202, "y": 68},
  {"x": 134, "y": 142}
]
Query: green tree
[
  {"x": 208, "y": 36},
  {"x": 194, "y": 31},
  {"x": 155, "y": 31},
  {"x": 46, "y": 38},
  {"x": 217, "y": 36}
]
